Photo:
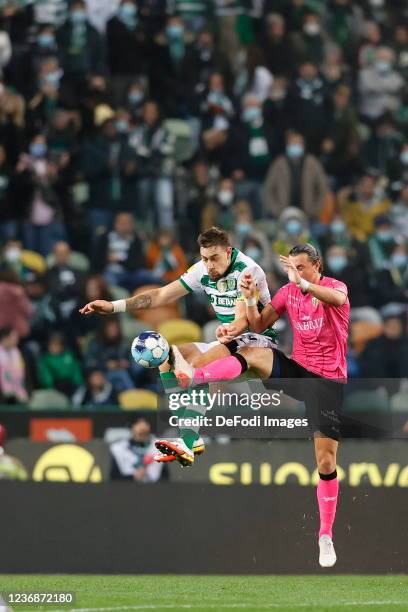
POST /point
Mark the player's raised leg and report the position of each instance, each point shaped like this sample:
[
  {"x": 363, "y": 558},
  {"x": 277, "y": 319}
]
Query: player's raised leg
[
  {"x": 258, "y": 359},
  {"x": 327, "y": 494}
]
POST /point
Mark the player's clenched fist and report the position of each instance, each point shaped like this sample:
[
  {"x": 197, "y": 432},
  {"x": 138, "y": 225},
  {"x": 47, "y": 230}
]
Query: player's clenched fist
[
  {"x": 248, "y": 285},
  {"x": 98, "y": 306}
]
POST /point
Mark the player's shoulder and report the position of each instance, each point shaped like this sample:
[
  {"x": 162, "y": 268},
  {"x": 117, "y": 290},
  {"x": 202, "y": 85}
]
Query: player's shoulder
[
  {"x": 328, "y": 281},
  {"x": 197, "y": 268}
]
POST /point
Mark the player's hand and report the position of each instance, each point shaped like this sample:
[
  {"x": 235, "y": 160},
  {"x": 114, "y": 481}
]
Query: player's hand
[
  {"x": 220, "y": 332},
  {"x": 290, "y": 269},
  {"x": 231, "y": 332},
  {"x": 248, "y": 286},
  {"x": 98, "y": 306}
]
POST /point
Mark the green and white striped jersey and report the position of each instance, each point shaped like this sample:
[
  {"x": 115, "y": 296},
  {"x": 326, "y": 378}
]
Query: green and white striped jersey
[{"x": 224, "y": 293}]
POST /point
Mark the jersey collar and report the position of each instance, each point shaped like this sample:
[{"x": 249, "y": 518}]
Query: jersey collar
[{"x": 234, "y": 255}]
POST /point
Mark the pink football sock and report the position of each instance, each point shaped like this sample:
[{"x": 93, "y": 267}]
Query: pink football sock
[
  {"x": 226, "y": 368},
  {"x": 327, "y": 492}
]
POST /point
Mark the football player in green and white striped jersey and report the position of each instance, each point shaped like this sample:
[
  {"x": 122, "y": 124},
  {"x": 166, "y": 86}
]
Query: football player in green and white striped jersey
[{"x": 218, "y": 275}]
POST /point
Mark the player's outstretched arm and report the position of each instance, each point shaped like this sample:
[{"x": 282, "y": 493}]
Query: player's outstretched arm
[
  {"x": 258, "y": 321},
  {"x": 148, "y": 299}
]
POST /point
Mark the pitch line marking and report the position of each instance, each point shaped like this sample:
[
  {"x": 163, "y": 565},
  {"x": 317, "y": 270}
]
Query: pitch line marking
[{"x": 243, "y": 606}]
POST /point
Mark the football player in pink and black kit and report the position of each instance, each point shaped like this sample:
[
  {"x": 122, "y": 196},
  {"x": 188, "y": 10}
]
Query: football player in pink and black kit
[{"x": 318, "y": 310}]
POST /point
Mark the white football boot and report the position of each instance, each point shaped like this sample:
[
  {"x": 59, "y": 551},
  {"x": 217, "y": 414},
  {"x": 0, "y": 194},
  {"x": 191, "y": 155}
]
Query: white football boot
[{"x": 327, "y": 556}]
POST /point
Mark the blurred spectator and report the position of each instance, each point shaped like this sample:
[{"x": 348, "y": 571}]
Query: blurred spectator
[
  {"x": 226, "y": 13},
  {"x": 334, "y": 70},
  {"x": 379, "y": 86},
  {"x": 254, "y": 78},
  {"x": 219, "y": 211},
  {"x": 97, "y": 392},
  {"x": 12, "y": 120},
  {"x": 132, "y": 459},
  {"x": 37, "y": 181},
  {"x": 165, "y": 257},
  {"x": 154, "y": 147},
  {"x": 127, "y": 48},
  {"x": 174, "y": 68},
  {"x": 309, "y": 43},
  {"x": 340, "y": 265},
  {"x": 399, "y": 213},
  {"x": 383, "y": 146},
  {"x": 344, "y": 23},
  {"x": 295, "y": 179},
  {"x": 46, "y": 98},
  {"x": 253, "y": 145},
  {"x": 371, "y": 40},
  {"x": 292, "y": 228},
  {"x": 12, "y": 369},
  {"x": 390, "y": 283},
  {"x": 15, "y": 307},
  {"x": 387, "y": 355},
  {"x": 81, "y": 48},
  {"x": 119, "y": 255},
  {"x": 277, "y": 47},
  {"x": 109, "y": 352},
  {"x": 209, "y": 59},
  {"x": 400, "y": 47},
  {"x": 309, "y": 105},
  {"x": 10, "y": 210},
  {"x": 359, "y": 206},
  {"x": 340, "y": 146},
  {"x": 58, "y": 368},
  {"x": 65, "y": 284},
  {"x": 194, "y": 14},
  {"x": 217, "y": 111},
  {"x": 199, "y": 192},
  {"x": 101, "y": 168},
  {"x": 382, "y": 242},
  {"x": 398, "y": 168},
  {"x": 250, "y": 239},
  {"x": 95, "y": 289}
]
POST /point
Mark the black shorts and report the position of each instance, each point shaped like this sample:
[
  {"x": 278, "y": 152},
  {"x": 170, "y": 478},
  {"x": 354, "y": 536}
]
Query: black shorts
[{"x": 323, "y": 397}]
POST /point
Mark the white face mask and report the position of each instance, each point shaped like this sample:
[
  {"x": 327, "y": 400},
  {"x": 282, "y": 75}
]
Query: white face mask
[
  {"x": 311, "y": 28},
  {"x": 225, "y": 197},
  {"x": 12, "y": 255},
  {"x": 377, "y": 3}
]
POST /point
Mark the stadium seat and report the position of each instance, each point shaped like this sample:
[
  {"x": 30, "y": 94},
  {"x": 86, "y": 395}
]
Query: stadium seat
[
  {"x": 399, "y": 402},
  {"x": 138, "y": 399},
  {"x": 33, "y": 261},
  {"x": 77, "y": 260},
  {"x": 209, "y": 330},
  {"x": 48, "y": 399},
  {"x": 180, "y": 331},
  {"x": 366, "y": 401},
  {"x": 132, "y": 327}
]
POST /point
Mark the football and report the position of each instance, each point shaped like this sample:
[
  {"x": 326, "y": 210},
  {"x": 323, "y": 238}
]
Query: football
[{"x": 150, "y": 349}]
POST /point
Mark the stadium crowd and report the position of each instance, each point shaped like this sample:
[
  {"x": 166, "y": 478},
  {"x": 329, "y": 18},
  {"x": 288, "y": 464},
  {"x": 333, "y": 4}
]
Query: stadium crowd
[{"x": 127, "y": 127}]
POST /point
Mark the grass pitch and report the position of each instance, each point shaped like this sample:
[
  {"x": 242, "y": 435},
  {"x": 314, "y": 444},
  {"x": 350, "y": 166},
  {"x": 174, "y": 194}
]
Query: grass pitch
[{"x": 217, "y": 593}]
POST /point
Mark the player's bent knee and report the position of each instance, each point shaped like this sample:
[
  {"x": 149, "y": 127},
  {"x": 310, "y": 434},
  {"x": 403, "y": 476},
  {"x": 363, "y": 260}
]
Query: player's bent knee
[{"x": 326, "y": 464}]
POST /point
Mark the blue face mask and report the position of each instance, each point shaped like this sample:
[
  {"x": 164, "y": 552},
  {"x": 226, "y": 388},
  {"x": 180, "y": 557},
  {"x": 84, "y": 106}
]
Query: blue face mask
[
  {"x": 399, "y": 260},
  {"x": 294, "y": 150},
  {"x": 254, "y": 253},
  {"x": 128, "y": 9},
  {"x": 251, "y": 113},
  {"x": 174, "y": 32},
  {"x": 46, "y": 40},
  {"x": 52, "y": 78},
  {"x": 78, "y": 16},
  {"x": 337, "y": 263},
  {"x": 384, "y": 235},
  {"x": 38, "y": 149},
  {"x": 338, "y": 227},
  {"x": 383, "y": 66},
  {"x": 294, "y": 227},
  {"x": 404, "y": 157},
  {"x": 122, "y": 126},
  {"x": 136, "y": 97},
  {"x": 243, "y": 228}
]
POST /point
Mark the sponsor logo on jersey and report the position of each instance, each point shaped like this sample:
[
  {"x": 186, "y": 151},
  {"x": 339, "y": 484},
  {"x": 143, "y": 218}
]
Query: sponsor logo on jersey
[
  {"x": 226, "y": 284},
  {"x": 223, "y": 300},
  {"x": 313, "y": 324}
]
